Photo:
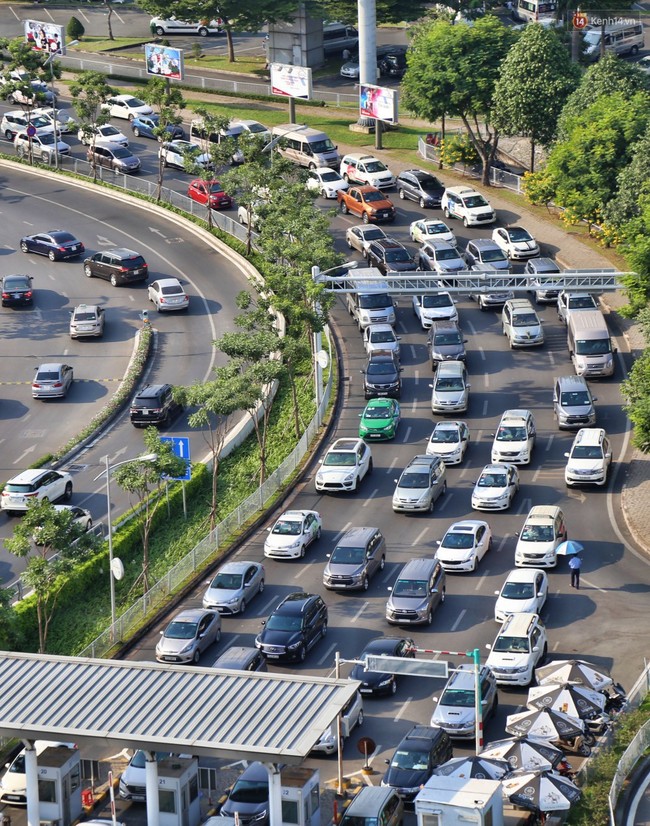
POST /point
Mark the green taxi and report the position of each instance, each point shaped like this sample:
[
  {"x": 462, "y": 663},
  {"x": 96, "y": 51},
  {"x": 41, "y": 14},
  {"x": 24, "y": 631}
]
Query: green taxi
[{"x": 379, "y": 420}]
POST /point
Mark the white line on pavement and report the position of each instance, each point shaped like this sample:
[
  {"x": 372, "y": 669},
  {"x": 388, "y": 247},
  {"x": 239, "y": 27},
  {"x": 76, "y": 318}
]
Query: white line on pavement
[
  {"x": 458, "y": 621},
  {"x": 372, "y": 496}
]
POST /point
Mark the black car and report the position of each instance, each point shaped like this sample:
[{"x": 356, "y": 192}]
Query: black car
[
  {"x": 418, "y": 185},
  {"x": 295, "y": 626},
  {"x": 154, "y": 404},
  {"x": 388, "y": 255},
  {"x": 422, "y": 750},
  {"x": 57, "y": 244},
  {"x": 248, "y": 799},
  {"x": 382, "y": 376},
  {"x": 119, "y": 266},
  {"x": 392, "y": 61},
  {"x": 379, "y": 682},
  {"x": 16, "y": 290}
]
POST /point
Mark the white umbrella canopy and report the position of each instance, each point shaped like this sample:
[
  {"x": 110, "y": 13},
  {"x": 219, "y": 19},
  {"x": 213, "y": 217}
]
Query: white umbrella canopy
[
  {"x": 545, "y": 724},
  {"x": 524, "y": 753},
  {"x": 577, "y": 672},
  {"x": 540, "y": 791},
  {"x": 574, "y": 700},
  {"x": 478, "y": 766}
]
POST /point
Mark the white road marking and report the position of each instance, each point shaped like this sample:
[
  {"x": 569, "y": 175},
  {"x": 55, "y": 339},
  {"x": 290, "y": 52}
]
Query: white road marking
[
  {"x": 524, "y": 506},
  {"x": 407, "y": 435},
  {"x": 391, "y": 466},
  {"x": 346, "y": 527},
  {"x": 372, "y": 496},
  {"x": 413, "y": 353},
  {"x": 503, "y": 543},
  {"x": 327, "y": 656},
  {"x": 302, "y": 573},
  {"x": 360, "y": 612},
  {"x": 592, "y": 585},
  {"x": 481, "y": 353},
  {"x": 417, "y": 377},
  {"x": 536, "y": 474},
  {"x": 458, "y": 621},
  {"x": 403, "y": 327},
  {"x": 419, "y": 537},
  {"x": 446, "y": 499},
  {"x": 403, "y": 708},
  {"x": 270, "y": 604},
  {"x": 25, "y": 452},
  {"x": 556, "y": 645},
  {"x": 486, "y": 379},
  {"x": 472, "y": 330},
  {"x": 11, "y": 9},
  {"x": 414, "y": 405},
  {"x": 485, "y": 407},
  {"x": 83, "y": 15},
  {"x": 480, "y": 582},
  {"x": 551, "y": 358},
  {"x": 549, "y": 443}
]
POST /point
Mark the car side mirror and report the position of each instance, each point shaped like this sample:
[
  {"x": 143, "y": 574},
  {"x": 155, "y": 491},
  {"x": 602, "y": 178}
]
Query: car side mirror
[
  {"x": 595, "y": 399},
  {"x": 438, "y": 541},
  {"x": 395, "y": 480},
  {"x": 263, "y": 622},
  {"x": 435, "y": 699},
  {"x": 387, "y": 762},
  {"x": 535, "y": 648},
  {"x": 398, "y": 338},
  {"x": 401, "y": 369},
  {"x": 269, "y": 529},
  {"x": 566, "y": 455},
  {"x": 431, "y": 386},
  {"x": 161, "y": 633},
  {"x": 328, "y": 555},
  {"x": 608, "y": 455},
  {"x": 208, "y": 581},
  {"x": 497, "y": 593},
  {"x": 488, "y": 645},
  {"x": 465, "y": 341},
  {"x": 468, "y": 386}
]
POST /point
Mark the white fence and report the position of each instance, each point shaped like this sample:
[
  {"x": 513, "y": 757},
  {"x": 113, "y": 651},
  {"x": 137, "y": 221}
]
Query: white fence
[{"x": 498, "y": 177}]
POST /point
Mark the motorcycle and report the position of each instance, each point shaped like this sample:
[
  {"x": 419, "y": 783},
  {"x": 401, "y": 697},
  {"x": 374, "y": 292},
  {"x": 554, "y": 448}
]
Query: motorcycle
[
  {"x": 598, "y": 723},
  {"x": 565, "y": 769},
  {"x": 615, "y": 699}
]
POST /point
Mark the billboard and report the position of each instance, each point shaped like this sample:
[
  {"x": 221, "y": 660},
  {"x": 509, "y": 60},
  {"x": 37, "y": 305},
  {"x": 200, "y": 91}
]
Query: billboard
[
  {"x": 45, "y": 37},
  {"x": 291, "y": 81},
  {"x": 164, "y": 61},
  {"x": 378, "y": 102}
]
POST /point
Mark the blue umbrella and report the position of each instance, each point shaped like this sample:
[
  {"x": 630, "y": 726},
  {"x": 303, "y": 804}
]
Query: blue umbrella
[{"x": 569, "y": 548}]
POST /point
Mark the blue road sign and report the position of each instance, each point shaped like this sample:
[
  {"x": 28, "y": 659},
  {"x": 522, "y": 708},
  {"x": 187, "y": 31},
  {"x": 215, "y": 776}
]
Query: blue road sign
[{"x": 181, "y": 448}]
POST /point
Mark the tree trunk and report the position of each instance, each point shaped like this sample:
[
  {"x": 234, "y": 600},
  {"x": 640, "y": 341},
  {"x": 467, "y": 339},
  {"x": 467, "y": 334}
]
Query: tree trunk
[
  {"x": 231, "y": 45},
  {"x": 108, "y": 20},
  {"x": 532, "y": 154}
]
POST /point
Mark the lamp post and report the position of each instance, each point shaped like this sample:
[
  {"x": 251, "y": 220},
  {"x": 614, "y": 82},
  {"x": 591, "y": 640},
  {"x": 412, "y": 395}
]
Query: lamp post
[{"x": 108, "y": 469}]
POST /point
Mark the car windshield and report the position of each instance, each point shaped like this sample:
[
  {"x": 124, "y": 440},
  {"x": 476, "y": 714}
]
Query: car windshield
[
  {"x": 448, "y": 385},
  {"x": 215, "y": 188},
  {"x": 133, "y": 103},
  {"x": 287, "y": 527},
  {"x": 445, "y": 436},
  {"x": 283, "y": 622},
  {"x": 374, "y": 301},
  {"x": 435, "y": 301},
  {"x": 493, "y": 480},
  {"x": 593, "y": 347},
  {"x": 374, "y": 196},
  {"x": 579, "y": 398},
  {"x": 139, "y": 759},
  {"x": 581, "y": 302},
  {"x": 475, "y": 201},
  {"x": 47, "y": 140},
  {"x": 446, "y": 339},
  {"x": 249, "y": 791},
  {"x": 512, "y": 645},
  {"x": 359, "y": 820},
  {"x": 39, "y": 122},
  {"x": 324, "y": 145},
  {"x": 511, "y": 434},
  {"x": 340, "y": 459},
  {"x": 518, "y": 590},
  {"x": 330, "y": 177},
  {"x": 517, "y": 234},
  {"x": 382, "y": 337},
  {"x": 446, "y": 255},
  {"x": 256, "y": 128},
  {"x": 15, "y": 283},
  {"x": 458, "y": 541},
  {"x": 436, "y": 229},
  {"x": 108, "y": 130},
  {"x": 537, "y": 533},
  {"x": 371, "y": 234},
  {"x": 414, "y": 480},
  {"x": 397, "y": 255},
  {"x": 488, "y": 255},
  {"x": 378, "y": 413},
  {"x": 180, "y": 630},
  {"x": 587, "y": 452},
  {"x": 227, "y": 582},
  {"x": 381, "y": 368},
  {"x": 410, "y": 588},
  {"x": 121, "y": 152},
  {"x": 413, "y": 760},
  {"x": 172, "y": 289},
  {"x": 461, "y": 697},
  {"x": 525, "y": 320},
  {"x": 348, "y": 556},
  {"x": 375, "y": 166}
]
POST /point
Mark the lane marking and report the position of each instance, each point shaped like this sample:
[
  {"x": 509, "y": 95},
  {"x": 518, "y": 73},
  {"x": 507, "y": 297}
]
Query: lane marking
[
  {"x": 345, "y": 528},
  {"x": 407, "y": 435},
  {"x": 359, "y": 613},
  {"x": 327, "y": 656},
  {"x": 459, "y": 620},
  {"x": 391, "y": 466},
  {"x": 485, "y": 407},
  {"x": 402, "y": 710},
  {"x": 372, "y": 496},
  {"x": 481, "y": 352},
  {"x": 419, "y": 537},
  {"x": 549, "y": 443},
  {"x": 417, "y": 377}
]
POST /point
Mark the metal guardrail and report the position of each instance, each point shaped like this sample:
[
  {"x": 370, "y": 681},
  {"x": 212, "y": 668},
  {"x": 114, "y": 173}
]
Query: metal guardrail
[{"x": 498, "y": 177}]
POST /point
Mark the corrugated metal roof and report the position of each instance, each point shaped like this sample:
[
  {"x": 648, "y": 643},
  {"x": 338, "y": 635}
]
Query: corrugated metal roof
[{"x": 167, "y": 708}]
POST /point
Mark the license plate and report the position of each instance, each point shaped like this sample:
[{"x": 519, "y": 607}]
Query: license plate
[
  {"x": 365, "y": 691},
  {"x": 13, "y": 797},
  {"x": 17, "y": 295},
  {"x": 383, "y": 394},
  {"x": 74, "y": 247},
  {"x": 273, "y": 656}
]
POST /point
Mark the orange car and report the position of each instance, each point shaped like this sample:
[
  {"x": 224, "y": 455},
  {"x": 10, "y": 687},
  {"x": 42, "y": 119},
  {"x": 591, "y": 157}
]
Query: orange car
[{"x": 367, "y": 202}]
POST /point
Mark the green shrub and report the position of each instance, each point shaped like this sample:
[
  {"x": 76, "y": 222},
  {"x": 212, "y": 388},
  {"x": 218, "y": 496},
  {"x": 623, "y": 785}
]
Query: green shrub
[{"x": 75, "y": 29}]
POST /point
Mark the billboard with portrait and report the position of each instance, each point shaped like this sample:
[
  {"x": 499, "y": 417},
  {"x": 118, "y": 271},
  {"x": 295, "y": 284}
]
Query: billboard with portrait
[
  {"x": 164, "y": 61},
  {"x": 291, "y": 81},
  {"x": 378, "y": 103},
  {"x": 45, "y": 37}
]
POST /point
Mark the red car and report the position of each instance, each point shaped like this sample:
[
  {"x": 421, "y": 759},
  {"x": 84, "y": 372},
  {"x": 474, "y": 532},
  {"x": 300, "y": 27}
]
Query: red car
[{"x": 201, "y": 191}]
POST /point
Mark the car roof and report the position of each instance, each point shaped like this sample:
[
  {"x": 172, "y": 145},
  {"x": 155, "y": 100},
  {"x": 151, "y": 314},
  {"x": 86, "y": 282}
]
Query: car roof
[
  {"x": 466, "y": 526},
  {"x": 236, "y": 566},
  {"x": 496, "y": 468},
  {"x": 345, "y": 444},
  {"x": 515, "y": 415},
  {"x": 295, "y": 603},
  {"x": 297, "y": 514},
  {"x": 86, "y": 308},
  {"x": 29, "y": 475},
  {"x": 520, "y": 304},
  {"x": 543, "y": 265},
  {"x": 191, "y": 615},
  {"x": 360, "y": 156},
  {"x": 168, "y": 282},
  {"x": 484, "y": 243},
  {"x": 150, "y": 390},
  {"x": 123, "y": 252},
  {"x": 388, "y": 243},
  {"x": 462, "y": 190},
  {"x": 381, "y": 327},
  {"x": 382, "y": 645},
  {"x": 543, "y": 512},
  {"x": 523, "y": 574},
  {"x": 589, "y": 436},
  {"x": 50, "y": 365},
  {"x": 518, "y": 625}
]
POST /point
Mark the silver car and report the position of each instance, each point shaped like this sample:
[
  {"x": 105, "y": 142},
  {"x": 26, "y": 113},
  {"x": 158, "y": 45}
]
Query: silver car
[
  {"x": 423, "y": 480},
  {"x": 455, "y": 710},
  {"x": 188, "y": 635},
  {"x": 52, "y": 381},
  {"x": 233, "y": 586}
]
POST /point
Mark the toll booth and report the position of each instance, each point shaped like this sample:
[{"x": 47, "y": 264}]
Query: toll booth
[
  {"x": 300, "y": 796},
  {"x": 178, "y": 791},
  {"x": 59, "y": 786}
]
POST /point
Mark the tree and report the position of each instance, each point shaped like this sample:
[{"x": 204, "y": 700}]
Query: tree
[
  {"x": 633, "y": 181},
  {"x": 88, "y": 92},
  {"x": 388, "y": 11},
  {"x": 75, "y": 29},
  {"x": 534, "y": 81},
  {"x": 636, "y": 390},
  {"x": 62, "y": 544},
  {"x": 636, "y": 248},
  {"x": 167, "y": 101},
  {"x": 452, "y": 70},
  {"x": 145, "y": 481},
  {"x": 235, "y": 15},
  {"x": 9, "y": 637}
]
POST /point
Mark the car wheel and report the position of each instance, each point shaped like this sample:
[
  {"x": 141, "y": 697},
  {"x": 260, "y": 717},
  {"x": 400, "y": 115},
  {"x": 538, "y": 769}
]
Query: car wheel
[
  {"x": 323, "y": 632},
  {"x": 114, "y": 280},
  {"x": 365, "y": 583},
  {"x": 584, "y": 750},
  {"x": 24, "y": 247},
  {"x": 312, "y": 166},
  {"x": 393, "y": 686},
  {"x": 443, "y": 595},
  {"x": 51, "y": 255},
  {"x": 446, "y": 211},
  {"x": 360, "y": 718},
  {"x": 365, "y": 218},
  {"x": 87, "y": 270},
  {"x": 131, "y": 117},
  {"x": 67, "y": 493},
  {"x": 402, "y": 195},
  {"x": 242, "y": 606},
  {"x": 429, "y": 617},
  {"x": 349, "y": 243},
  {"x": 261, "y": 588},
  {"x": 344, "y": 208},
  {"x": 196, "y": 657},
  {"x": 634, "y": 51},
  {"x": 160, "y": 31},
  {"x": 382, "y": 563},
  {"x": 422, "y": 203},
  {"x": 89, "y": 525},
  {"x": 218, "y": 635},
  {"x": 302, "y": 653},
  {"x": 473, "y": 568},
  {"x": 9, "y": 135},
  {"x": 355, "y": 487},
  {"x": 346, "y": 178},
  {"x": 430, "y": 508},
  {"x": 323, "y": 193},
  {"x": 45, "y": 157},
  {"x": 203, "y": 32},
  {"x": 136, "y": 132},
  {"x": 465, "y": 224},
  {"x": 370, "y": 466},
  {"x": 302, "y": 551},
  {"x": 444, "y": 489}
]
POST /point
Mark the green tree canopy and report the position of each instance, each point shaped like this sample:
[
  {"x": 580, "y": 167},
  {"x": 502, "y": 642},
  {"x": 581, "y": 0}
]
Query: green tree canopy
[
  {"x": 388, "y": 11},
  {"x": 633, "y": 182}
]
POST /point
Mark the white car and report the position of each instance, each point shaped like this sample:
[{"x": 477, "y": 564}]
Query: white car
[
  {"x": 519, "y": 647},
  {"x": 344, "y": 466},
  {"x": 589, "y": 458},
  {"x": 13, "y": 786},
  {"x": 104, "y": 135},
  {"x": 80, "y": 516},
  {"x": 292, "y": 533},
  {"x": 434, "y": 307},
  {"x": 464, "y": 545},
  {"x": 381, "y": 337},
  {"x": 568, "y": 302},
  {"x": 174, "y": 153},
  {"x": 43, "y": 147},
  {"x": 428, "y": 229},
  {"x": 40, "y": 92},
  {"x": 495, "y": 488},
  {"x": 520, "y": 324},
  {"x": 359, "y": 237},
  {"x": 524, "y": 591},
  {"x": 517, "y": 243},
  {"x": 543, "y": 531},
  {"x": 254, "y": 127},
  {"x": 14, "y": 122},
  {"x": 35, "y": 484},
  {"x": 449, "y": 441},
  {"x": 168, "y": 294},
  {"x": 126, "y": 106},
  {"x": 515, "y": 438},
  {"x": 468, "y": 205},
  {"x": 357, "y": 168},
  {"x": 64, "y": 123},
  {"x": 326, "y": 181}
]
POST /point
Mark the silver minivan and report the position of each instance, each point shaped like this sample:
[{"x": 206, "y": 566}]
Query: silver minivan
[
  {"x": 357, "y": 556},
  {"x": 374, "y": 806},
  {"x": 450, "y": 389},
  {"x": 589, "y": 344},
  {"x": 305, "y": 146},
  {"x": 573, "y": 404},
  {"x": 418, "y": 590}
]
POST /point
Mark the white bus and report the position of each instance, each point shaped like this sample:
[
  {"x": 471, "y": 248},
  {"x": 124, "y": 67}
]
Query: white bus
[
  {"x": 534, "y": 11},
  {"x": 622, "y": 38}
]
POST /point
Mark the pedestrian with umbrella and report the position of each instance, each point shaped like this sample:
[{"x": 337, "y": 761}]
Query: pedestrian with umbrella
[
  {"x": 572, "y": 549},
  {"x": 575, "y": 563}
]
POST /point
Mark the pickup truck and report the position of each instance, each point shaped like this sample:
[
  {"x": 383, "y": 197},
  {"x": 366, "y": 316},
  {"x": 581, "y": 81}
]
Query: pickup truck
[{"x": 368, "y": 203}]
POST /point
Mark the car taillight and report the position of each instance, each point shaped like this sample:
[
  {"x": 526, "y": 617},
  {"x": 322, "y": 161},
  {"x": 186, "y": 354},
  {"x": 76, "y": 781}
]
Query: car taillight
[
  {"x": 28, "y": 294},
  {"x": 57, "y": 384},
  {"x": 61, "y": 249},
  {"x": 124, "y": 269},
  {"x": 6, "y": 295},
  {"x": 29, "y": 495}
]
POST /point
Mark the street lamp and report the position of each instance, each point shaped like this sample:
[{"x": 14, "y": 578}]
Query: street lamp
[{"x": 147, "y": 457}]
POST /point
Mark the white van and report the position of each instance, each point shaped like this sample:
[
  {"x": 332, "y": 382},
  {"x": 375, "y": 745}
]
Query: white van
[
  {"x": 589, "y": 344},
  {"x": 371, "y": 305},
  {"x": 306, "y": 146},
  {"x": 173, "y": 26},
  {"x": 624, "y": 38},
  {"x": 534, "y": 11}
]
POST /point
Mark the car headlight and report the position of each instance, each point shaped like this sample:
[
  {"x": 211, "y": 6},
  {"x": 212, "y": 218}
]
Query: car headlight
[
  {"x": 187, "y": 648},
  {"x": 521, "y": 670},
  {"x": 385, "y": 682},
  {"x": 231, "y": 601},
  {"x": 468, "y": 557},
  {"x": 294, "y": 645},
  {"x": 424, "y": 497},
  {"x": 294, "y": 544},
  {"x": 349, "y": 477},
  {"x": 319, "y": 476}
]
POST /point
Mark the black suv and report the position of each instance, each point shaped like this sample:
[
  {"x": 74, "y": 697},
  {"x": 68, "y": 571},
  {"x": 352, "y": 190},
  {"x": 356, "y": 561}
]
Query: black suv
[
  {"x": 382, "y": 375},
  {"x": 119, "y": 266},
  {"x": 295, "y": 626},
  {"x": 154, "y": 404},
  {"x": 420, "y": 752},
  {"x": 388, "y": 255},
  {"x": 418, "y": 185},
  {"x": 391, "y": 60}
]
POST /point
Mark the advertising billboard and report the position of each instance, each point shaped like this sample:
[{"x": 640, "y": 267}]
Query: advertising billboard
[
  {"x": 164, "y": 61},
  {"x": 291, "y": 81},
  {"x": 45, "y": 37},
  {"x": 378, "y": 102}
]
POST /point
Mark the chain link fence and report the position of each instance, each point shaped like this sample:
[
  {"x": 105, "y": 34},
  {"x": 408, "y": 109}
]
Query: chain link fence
[{"x": 498, "y": 177}]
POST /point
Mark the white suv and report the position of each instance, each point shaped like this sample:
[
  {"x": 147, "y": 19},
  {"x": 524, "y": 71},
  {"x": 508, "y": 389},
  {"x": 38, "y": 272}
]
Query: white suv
[
  {"x": 467, "y": 204},
  {"x": 344, "y": 466},
  {"x": 518, "y": 649},
  {"x": 30, "y": 485},
  {"x": 515, "y": 438},
  {"x": 544, "y": 529},
  {"x": 366, "y": 169},
  {"x": 589, "y": 458}
]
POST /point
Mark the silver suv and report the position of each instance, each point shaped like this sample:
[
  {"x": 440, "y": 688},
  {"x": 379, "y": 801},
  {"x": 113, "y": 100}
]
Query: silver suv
[
  {"x": 573, "y": 404},
  {"x": 357, "y": 556},
  {"x": 446, "y": 343},
  {"x": 423, "y": 480},
  {"x": 455, "y": 710},
  {"x": 418, "y": 590}
]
